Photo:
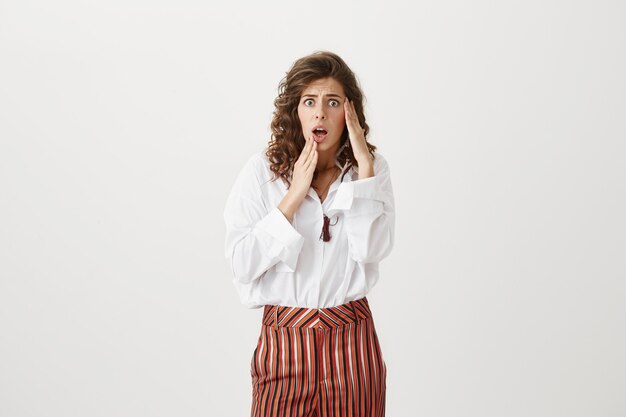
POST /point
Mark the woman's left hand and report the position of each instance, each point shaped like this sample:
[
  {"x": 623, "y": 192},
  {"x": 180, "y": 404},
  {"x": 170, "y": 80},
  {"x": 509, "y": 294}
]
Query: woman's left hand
[{"x": 356, "y": 134}]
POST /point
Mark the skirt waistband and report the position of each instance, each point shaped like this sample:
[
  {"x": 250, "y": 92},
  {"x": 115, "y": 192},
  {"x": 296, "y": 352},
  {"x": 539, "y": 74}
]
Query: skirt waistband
[{"x": 321, "y": 318}]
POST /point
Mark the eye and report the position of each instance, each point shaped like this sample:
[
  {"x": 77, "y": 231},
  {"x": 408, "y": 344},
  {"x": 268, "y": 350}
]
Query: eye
[
  {"x": 334, "y": 103},
  {"x": 308, "y": 102}
]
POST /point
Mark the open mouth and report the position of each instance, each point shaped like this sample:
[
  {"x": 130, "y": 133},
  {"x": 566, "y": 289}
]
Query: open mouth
[{"x": 319, "y": 134}]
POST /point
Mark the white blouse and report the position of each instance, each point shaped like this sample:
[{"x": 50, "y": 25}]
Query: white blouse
[{"x": 277, "y": 262}]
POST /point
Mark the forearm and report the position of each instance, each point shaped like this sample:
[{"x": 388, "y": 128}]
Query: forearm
[
  {"x": 289, "y": 205},
  {"x": 366, "y": 167},
  {"x": 368, "y": 205},
  {"x": 254, "y": 248}
]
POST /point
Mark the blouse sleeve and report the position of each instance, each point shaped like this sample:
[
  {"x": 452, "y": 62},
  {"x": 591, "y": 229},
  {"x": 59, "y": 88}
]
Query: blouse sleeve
[
  {"x": 257, "y": 237},
  {"x": 369, "y": 213}
]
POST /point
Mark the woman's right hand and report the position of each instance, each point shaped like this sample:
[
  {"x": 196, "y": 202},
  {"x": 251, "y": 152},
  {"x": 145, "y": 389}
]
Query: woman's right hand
[
  {"x": 303, "y": 171},
  {"x": 304, "y": 168}
]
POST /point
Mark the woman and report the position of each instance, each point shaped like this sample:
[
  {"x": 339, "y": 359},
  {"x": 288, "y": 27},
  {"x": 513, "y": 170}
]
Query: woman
[{"x": 307, "y": 222}]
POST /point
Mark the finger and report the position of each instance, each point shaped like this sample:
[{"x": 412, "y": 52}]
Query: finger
[
  {"x": 312, "y": 144},
  {"x": 313, "y": 150},
  {"x": 351, "y": 121},
  {"x": 311, "y": 155},
  {"x": 354, "y": 117},
  {"x": 351, "y": 112},
  {"x": 313, "y": 162},
  {"x": 347, "y": 109},
  {"x": 309, "y": 167}
]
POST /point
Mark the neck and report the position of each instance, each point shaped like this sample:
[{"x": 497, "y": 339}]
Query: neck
[
  {"x": 321, "y": 168},
  {"x": 326, "y": 159}
]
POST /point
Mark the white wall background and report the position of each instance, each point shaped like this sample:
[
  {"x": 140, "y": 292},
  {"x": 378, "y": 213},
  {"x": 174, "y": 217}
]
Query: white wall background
[{"x": 124, "y": 123}]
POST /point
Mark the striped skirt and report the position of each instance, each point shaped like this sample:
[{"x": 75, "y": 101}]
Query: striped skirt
[{"x": 324, "y": 362}]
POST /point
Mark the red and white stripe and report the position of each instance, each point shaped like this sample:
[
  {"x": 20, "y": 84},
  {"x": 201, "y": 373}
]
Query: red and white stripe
[{"x": 318, "y": 362}]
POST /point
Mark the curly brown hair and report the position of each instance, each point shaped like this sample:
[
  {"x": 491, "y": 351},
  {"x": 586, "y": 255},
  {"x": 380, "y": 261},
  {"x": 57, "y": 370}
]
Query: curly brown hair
[{"x": 287, "y": 141}]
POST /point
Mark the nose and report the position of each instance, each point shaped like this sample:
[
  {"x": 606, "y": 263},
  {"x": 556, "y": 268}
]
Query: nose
[{"x": 319, "y": 112}]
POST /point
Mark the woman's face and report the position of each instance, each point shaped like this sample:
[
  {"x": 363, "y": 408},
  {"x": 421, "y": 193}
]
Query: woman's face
[{"x": 321, "y": 113}]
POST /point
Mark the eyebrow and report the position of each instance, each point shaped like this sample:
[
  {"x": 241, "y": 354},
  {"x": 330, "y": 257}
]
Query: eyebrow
[{"x": 327, "y": 95}]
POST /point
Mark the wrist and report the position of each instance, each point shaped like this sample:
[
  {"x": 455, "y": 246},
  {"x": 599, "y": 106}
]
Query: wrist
[
  {"x": 294, "y": 197},
  {"x": 366, "y": 165},
  {"x": 364, "y": 159},
  {"x": 366, "y": 170},
  {"x": 290, "y": 204}
]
